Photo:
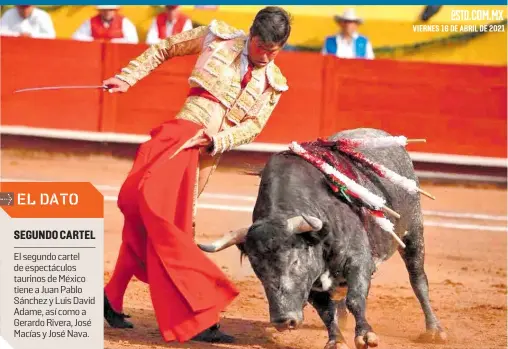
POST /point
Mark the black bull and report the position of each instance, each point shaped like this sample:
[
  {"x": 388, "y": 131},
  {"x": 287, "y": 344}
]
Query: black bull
[{"x": 305, "y": 243}]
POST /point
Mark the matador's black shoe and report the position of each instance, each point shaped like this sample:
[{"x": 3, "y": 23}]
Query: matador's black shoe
[
  {"x": 114, "y": 319},
  {"x": 214, "y": 335}
]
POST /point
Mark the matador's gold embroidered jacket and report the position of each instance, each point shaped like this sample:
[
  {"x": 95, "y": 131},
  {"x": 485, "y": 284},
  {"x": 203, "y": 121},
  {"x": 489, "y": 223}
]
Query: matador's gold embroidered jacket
[{"x": 218, "y": 70}]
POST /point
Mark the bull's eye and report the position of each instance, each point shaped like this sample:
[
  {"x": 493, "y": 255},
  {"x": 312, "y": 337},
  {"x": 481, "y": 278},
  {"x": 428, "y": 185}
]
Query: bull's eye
[{"x": 295, "y": 263}]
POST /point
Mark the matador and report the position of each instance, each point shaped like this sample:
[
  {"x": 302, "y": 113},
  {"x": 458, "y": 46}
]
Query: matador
[{"x": 234, "y": 88}]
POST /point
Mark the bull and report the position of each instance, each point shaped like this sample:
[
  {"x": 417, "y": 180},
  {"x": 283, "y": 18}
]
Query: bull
[{"x": 305, "y": 243}]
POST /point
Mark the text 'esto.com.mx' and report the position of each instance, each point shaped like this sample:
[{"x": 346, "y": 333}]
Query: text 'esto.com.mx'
[{"x": 463, "y": 21}]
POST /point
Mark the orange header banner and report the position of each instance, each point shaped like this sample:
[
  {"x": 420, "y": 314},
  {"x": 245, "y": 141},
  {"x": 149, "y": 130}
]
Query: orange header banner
[{"x": 51, "y": 200}]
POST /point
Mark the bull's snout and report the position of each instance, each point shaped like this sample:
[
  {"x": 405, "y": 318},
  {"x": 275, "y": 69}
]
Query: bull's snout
[{"x": 287, "y": 322}]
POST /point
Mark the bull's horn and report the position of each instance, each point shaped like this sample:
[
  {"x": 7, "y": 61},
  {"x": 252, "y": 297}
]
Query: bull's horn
[
  {"x": 230, "y": 239},
  {"x": 303, "y": 224}
]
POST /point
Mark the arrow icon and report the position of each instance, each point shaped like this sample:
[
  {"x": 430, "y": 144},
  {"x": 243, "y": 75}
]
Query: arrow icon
[{"x": 6, "y": 199}]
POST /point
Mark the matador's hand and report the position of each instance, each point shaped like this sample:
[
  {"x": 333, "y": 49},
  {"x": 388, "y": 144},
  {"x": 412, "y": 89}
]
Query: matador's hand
[
  {"x": 201, "y": 139},
  {"x": 116, "y": 85}
]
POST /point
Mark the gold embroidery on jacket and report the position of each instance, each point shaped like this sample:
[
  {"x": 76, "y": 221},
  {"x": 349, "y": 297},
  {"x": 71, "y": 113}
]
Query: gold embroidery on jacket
[
  {"x": 248, "y": 129},
  {"x": 224, "y": 30},
  {"x": 219, "y": 73},
  {"x": 197, "y": 109},
  {"x": 185, "y": 43},
  {"x": 248, "y": 96},
  {"x": 275, "y": 77},
  {"x": 265, "y": 98}
]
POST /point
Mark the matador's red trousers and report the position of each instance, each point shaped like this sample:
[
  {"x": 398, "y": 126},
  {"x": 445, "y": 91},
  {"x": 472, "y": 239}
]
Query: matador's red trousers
[{"x": 188, "y": 290}]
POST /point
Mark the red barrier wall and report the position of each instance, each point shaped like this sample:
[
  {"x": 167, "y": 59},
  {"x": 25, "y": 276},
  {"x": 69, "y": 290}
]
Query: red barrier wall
[
  {"x": 31, "y": 63},
  {"x": 459, "y": 109}
]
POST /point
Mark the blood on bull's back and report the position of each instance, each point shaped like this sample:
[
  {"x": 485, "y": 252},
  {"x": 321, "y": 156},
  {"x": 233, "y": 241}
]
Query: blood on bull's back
[{"x": 397, "y": 159}]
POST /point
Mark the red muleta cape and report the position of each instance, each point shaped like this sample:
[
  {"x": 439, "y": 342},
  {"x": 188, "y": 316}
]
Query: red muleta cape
[{"x": 188, "y": 290}]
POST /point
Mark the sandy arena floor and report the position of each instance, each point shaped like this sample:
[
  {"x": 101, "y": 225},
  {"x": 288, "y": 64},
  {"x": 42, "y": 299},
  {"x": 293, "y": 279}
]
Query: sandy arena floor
[{"x": 465, "y": 264}]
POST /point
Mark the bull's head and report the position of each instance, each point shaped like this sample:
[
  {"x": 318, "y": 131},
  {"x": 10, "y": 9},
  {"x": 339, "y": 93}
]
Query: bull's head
[{"x": 285, "y": 256}]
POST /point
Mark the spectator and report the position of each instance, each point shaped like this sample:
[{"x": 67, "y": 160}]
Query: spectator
[
  {"x": 108, "y": 25},
  {"x": 348, "y": 43},
  {"x": 27, "y": 20},
  {"x": 169, "y": 22}
]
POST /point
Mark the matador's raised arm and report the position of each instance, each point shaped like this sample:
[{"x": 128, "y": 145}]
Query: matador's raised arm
[{"x": 186, "y": 43}]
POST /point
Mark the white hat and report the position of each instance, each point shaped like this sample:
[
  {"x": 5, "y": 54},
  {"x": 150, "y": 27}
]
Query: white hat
[
  {"x": 349, "y": 15},
  {"x": 108, "y": 7}
]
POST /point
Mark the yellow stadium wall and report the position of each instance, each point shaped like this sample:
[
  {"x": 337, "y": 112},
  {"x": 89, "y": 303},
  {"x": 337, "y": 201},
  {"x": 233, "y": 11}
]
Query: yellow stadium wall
[{"x": 384, "y": 25}]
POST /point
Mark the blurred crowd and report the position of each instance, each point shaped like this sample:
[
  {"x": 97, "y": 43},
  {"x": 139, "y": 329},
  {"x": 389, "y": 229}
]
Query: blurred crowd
[{"x": 110, "y": 25}]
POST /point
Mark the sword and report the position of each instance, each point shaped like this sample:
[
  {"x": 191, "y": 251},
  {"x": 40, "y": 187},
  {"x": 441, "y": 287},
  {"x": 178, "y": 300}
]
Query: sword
[{"x": 62, "y": 88}]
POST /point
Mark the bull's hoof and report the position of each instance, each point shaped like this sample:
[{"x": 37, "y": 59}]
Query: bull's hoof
[
  {"x": 369, "y": 340},
  {"x": 435, "y": 335},
  {"x": 336, "y": 345}
]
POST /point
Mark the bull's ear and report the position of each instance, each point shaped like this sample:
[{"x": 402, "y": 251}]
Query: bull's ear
[{"x": 241, "y": 247}]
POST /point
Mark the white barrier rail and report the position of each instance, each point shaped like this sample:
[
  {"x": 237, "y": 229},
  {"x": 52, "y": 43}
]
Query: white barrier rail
[
  {"x": 110, "y": 137},
  {"x": 245, "y": 204}
]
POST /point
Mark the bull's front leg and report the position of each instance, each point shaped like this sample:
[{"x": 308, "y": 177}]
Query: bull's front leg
[
  {"x": 358, "y": 276},
  {"x": 327, "y": 310}
]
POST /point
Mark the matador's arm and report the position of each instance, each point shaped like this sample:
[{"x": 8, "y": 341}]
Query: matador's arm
[
  {"x": 186, "y": 43},
  {"x": 247, "y": 130}
]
